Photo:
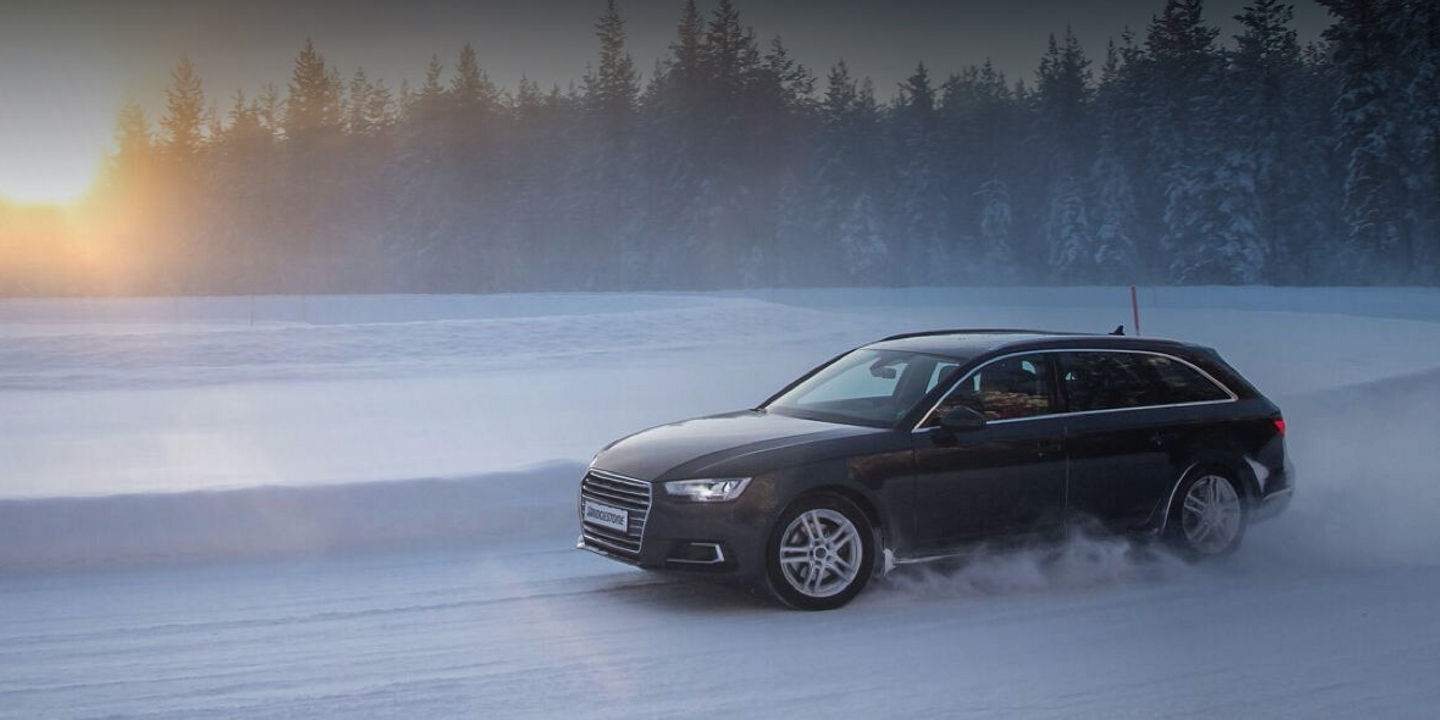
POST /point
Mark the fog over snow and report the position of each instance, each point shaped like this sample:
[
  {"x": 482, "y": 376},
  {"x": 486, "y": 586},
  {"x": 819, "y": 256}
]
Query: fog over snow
[{"x": 364, "y": 506}]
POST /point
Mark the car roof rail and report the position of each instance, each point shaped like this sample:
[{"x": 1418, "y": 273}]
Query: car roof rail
[{"x": 976, "y": 331}]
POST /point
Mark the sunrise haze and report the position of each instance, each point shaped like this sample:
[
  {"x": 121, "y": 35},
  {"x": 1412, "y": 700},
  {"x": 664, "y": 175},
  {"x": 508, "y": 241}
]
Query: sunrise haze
[{"x": 66, "y": 67}]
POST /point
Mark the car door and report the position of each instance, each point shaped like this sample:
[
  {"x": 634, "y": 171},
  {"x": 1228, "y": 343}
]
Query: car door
[
  {"x": 1004, "y": 478},
  {"x": 1127, "y": 430}
]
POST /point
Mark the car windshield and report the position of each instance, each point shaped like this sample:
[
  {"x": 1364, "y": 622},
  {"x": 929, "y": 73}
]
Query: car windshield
[{"x": 866, "y": 387}]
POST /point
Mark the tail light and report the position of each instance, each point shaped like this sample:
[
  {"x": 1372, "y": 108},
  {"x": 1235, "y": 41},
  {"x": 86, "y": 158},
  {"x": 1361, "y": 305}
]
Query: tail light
[{"x": 1279, "y": 425}]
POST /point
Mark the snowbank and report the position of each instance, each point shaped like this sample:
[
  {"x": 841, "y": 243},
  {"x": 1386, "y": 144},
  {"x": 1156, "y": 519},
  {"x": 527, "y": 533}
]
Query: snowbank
[{"x": 137, "y": 529}]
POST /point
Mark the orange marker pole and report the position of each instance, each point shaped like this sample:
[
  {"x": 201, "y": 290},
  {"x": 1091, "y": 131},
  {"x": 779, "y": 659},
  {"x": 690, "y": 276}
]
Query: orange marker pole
[{"x": 1135, "y": 309}]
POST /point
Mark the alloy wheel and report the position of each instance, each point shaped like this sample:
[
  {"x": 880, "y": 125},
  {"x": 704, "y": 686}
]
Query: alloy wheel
[
  {"x": 821, "y": 553},
  {"x": 1211, "y": 515}
]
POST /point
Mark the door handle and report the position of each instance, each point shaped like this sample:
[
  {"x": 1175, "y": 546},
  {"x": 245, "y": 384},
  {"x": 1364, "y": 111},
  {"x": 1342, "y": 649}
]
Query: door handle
[{"x": 1048, "y": 447}]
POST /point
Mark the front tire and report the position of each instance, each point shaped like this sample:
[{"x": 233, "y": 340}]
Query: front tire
[
  {"x": 821, "y": 553},
  {"x": 1210, "y": 516}
]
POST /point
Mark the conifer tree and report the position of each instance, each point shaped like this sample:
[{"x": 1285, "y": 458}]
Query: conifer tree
[
  {"x": 356, "y": 104},
  {"x": 1417, "y": 24},
  {"x": 1114, "y": 257},
  {"x": 379, "y": 107},
  {"x": 1179, "y": 115},
  {"x": 314, "y": 104},
  {"x": 268, "y": 109},
  {"x": 995, "y": 222},
  {"x": 726, "y": 52},
  {"x": 685, "y": 49},
  {"x": 980, "y": 138},
  {"x": 919, "y": 199},
  {"x": 471, "y": 93},
  {"x": 1188, "y": 161},
  {"x": 792, "y": 83},
  {"x": 611, "y": 91},
  {"x": 1264, "y": 68},
  {"x": 184, "y": 118},
  {"x": 133, "y": 143},
  {"x": 244, "y": 124},
  {"x": 832, "y": 225},
  {"x": 1376, "y": 242},
  {"x": 1063, "y": 93},
  {"x": 862, "y": 242}
]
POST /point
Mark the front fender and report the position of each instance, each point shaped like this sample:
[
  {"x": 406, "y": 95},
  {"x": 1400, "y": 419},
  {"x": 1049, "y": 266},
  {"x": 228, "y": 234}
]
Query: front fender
[{"x": 881, "y": 485}]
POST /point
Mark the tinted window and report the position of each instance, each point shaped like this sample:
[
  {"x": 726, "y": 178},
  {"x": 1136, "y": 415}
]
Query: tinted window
[
  {"x": 1182, "y": 383},
  {"x": 1008, "y": 388},
  {"x": 1107, "y": 381}
]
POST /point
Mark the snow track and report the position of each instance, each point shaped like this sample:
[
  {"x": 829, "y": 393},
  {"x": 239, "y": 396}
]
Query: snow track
[
  {"x": 462, "y": 597},
  {"x": 300, "y": 521}
]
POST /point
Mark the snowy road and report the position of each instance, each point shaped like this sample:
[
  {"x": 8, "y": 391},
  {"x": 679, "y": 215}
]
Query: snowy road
[
  {"x": 549, "y": 633},
  {"x": 1328, "y": 611}
]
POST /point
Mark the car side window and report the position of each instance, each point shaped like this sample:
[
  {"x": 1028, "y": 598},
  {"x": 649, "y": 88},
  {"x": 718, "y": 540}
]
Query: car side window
[
  {"x": 1005, "y": 389},
  {"x": 1180, "y": 383},
  {"x": 1115, "y": 380},
  {"x": 1104, "y": 381}
]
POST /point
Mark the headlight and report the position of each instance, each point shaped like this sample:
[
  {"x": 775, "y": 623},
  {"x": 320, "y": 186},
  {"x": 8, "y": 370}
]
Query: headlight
[{"x": 708, "y": 489}]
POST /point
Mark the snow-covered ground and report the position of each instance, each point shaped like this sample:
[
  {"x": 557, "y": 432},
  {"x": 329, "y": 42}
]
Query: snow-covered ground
[{"x": 363, "y": 506}]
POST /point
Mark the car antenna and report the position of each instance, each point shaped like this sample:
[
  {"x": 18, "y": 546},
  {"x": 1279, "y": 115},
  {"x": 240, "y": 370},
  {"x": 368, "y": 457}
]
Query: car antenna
[{"x": 1119, "y": 330}]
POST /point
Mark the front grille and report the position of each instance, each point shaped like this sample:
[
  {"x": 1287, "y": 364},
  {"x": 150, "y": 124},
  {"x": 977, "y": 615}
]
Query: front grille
[{"x": 621, "y": 492}]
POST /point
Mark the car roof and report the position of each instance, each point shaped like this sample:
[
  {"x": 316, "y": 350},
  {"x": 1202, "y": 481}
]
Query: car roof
[{"x": 973, "y": 342}]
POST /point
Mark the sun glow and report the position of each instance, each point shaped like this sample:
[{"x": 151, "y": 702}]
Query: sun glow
[
  {"x": 40, "y": 173},
  {"x": 55, "y": 127}
]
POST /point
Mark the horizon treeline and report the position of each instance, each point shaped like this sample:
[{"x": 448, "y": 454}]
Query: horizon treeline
[{"x": 1167, "y": 157}]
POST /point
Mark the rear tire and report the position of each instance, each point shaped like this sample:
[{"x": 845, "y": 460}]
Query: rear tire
[
  {"x": 1209, "y": 516},
  {"x": 820, "y": 554}
]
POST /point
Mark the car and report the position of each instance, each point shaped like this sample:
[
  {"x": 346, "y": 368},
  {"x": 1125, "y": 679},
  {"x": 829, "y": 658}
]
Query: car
[{"x": 923, "y": 445}]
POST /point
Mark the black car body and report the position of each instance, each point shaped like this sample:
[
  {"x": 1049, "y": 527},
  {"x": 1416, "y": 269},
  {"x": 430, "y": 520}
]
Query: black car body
[{"x": 982, "y": 435}]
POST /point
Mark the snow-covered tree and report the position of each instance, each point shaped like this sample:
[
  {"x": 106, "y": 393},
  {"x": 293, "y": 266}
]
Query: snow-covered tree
[
  {"x": 1416, "y": 23},
  {"x": 1067, "y": 228},
  {"x": 918, "y": 197},
  {"x": 1184, "y": 159},
  {"x": 1211, "y": 216},
  {"x": 862, "y": 244},
  {"x": 996, "y": 220},
  {"x": 1368, "y": 125},
  {"x": 1113, "y": 257}
]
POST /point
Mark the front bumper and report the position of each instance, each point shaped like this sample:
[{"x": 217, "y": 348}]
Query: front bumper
[
  {"x": 720, "y": 538},
  {"x": 683, "y": 555}
]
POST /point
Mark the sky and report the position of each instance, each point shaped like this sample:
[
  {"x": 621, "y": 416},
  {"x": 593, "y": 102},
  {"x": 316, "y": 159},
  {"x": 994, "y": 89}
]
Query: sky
[{"x": 67, "y": 65}]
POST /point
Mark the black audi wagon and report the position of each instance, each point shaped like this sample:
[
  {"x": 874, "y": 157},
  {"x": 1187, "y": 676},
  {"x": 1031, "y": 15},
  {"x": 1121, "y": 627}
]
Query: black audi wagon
[{"x": 921, "y": 445}]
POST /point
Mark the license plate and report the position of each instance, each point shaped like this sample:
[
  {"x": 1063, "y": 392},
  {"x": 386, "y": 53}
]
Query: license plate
[{"x": 607, "y": 517}]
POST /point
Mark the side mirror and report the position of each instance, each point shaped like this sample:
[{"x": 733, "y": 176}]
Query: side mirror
[{"x": 962, "y": 418}]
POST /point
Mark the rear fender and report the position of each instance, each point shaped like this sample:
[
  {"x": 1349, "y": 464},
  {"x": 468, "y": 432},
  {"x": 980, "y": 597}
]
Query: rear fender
[{"x": 1227, "y": 462}]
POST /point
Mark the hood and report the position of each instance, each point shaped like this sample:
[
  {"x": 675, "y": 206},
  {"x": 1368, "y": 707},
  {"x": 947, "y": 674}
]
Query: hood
[{"x": 723, "y": 442}]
